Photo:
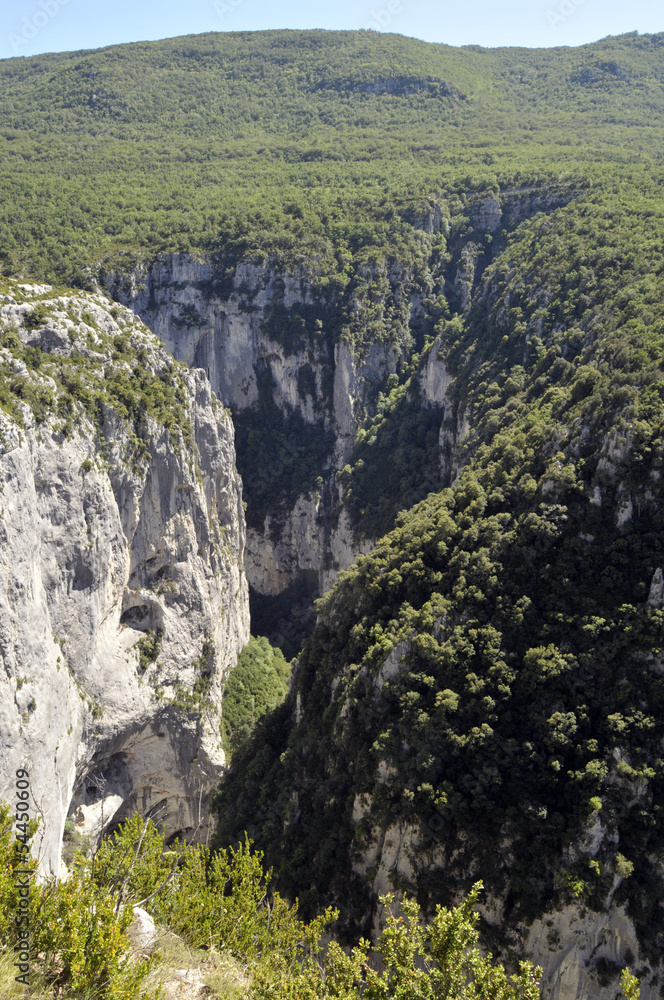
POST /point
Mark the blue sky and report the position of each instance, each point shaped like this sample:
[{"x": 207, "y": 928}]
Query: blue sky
[{"x": 31, "y": 26}]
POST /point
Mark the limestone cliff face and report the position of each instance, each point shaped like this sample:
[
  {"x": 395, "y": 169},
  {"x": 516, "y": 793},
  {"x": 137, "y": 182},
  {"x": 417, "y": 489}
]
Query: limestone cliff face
[
  {"x": 123, "y": 602},
  {"x": 222, "y": 330}
]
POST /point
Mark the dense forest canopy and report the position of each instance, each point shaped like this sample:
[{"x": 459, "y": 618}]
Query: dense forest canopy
[{"x": 298, "y": 143}]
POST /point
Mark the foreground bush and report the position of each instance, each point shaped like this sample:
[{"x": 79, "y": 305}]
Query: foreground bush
[
  {"x": 419, "y": 962},
  {"x": 78, "y": 941},
  {"x": 224, "y": 903}
]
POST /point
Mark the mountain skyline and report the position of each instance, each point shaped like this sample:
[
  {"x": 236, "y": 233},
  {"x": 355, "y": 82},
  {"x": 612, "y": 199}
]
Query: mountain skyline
[{"x": 33, "y": 27}]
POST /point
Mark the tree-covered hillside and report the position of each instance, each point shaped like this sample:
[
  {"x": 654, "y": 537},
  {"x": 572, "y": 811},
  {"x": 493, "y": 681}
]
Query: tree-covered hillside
[
  {"x": 491, "y": 672},
  {"x": 296, "y": 142}
]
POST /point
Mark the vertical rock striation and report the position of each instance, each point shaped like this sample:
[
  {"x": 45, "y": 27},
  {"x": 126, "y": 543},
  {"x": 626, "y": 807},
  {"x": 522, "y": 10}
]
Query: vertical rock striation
[
  {"x": 123, "y": 601},
  {"x": 327, "y": 386},
  {"x": 315, "y": 349}
]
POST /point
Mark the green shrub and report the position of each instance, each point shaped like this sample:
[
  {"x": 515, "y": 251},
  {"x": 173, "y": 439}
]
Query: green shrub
[
  {"x": 257, "y": 684},
  {"x": 79, "y": 945},
  {"x": 435, "y": 961},
  {"x": 149, "y": 647},
  {"x": 225, "y": 902},
  {"x": 36, "y": 317}
]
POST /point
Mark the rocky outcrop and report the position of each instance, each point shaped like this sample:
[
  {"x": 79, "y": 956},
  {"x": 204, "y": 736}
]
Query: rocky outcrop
[
  {"x": 487, "y": 215},
  {"x": 581, "y": 952},
  {"x": 223, "y": 331},
  {"x": 123, "y": 602},
  {"x": 513, "y": 205}
]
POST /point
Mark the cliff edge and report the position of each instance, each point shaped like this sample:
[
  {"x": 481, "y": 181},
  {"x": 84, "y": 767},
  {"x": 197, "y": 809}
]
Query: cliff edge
[{"x": 123, "y": 602}]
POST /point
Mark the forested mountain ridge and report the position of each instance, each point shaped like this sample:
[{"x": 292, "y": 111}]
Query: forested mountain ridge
[{"x": 295, "y": 142}]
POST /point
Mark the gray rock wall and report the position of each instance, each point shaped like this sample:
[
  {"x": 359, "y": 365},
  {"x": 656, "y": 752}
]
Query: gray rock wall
[
  {"x": 222, "y": 331},
  {"x": 96, "y": 549},
  {"x": 211, "y": 322}
]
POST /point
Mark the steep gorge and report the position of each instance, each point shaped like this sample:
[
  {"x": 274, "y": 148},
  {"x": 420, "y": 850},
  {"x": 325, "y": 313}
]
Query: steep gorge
[
  {"x": 427, "y": 284},
  {"x": 307, "y": 361}
]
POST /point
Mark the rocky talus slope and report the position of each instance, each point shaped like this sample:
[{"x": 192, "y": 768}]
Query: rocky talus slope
[{"x": 123, "y": 602}]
